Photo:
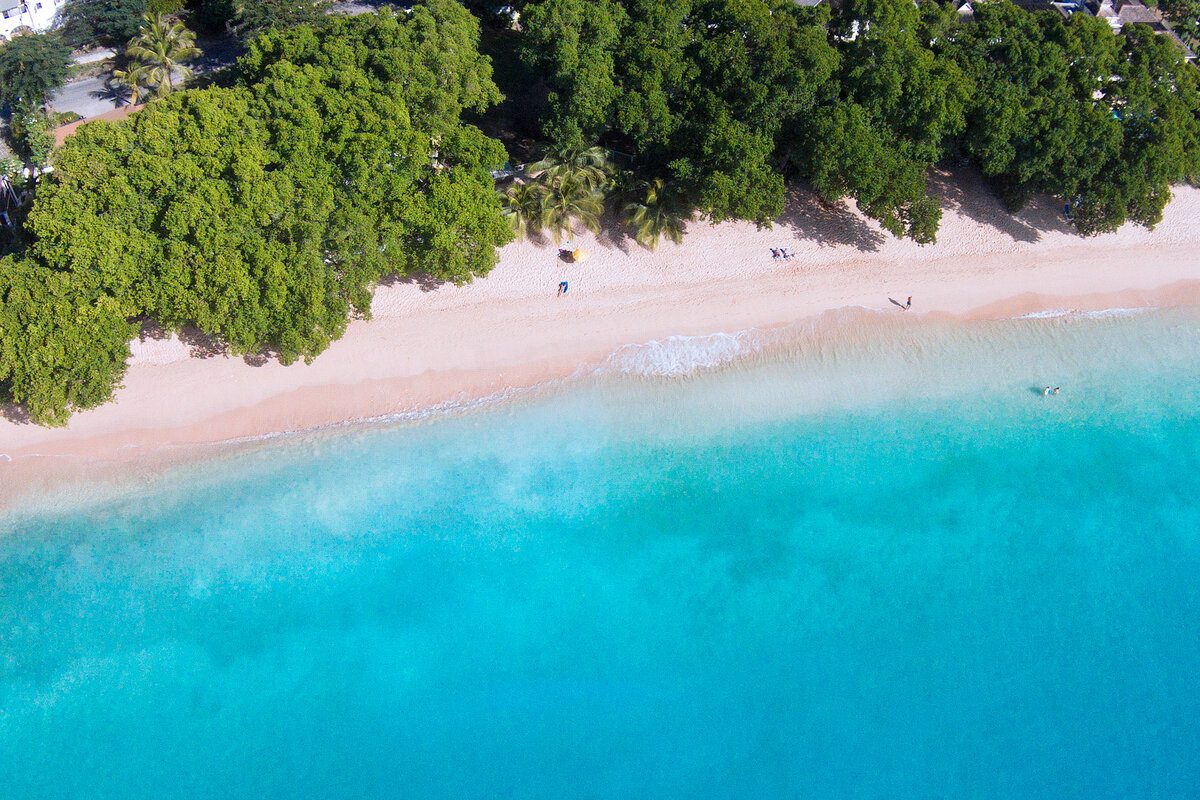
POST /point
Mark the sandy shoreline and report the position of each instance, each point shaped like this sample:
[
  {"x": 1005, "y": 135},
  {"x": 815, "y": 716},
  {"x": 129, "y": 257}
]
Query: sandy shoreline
[{"x": 424, "y": 348}]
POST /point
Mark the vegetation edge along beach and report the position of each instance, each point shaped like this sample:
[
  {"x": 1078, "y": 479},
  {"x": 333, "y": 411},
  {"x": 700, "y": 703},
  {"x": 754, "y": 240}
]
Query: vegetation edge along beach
[{"x": 262, "y": 209}]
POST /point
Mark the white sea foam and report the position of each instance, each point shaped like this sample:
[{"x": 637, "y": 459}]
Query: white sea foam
[
  {"x": 1102, "y": 313},
  {"x": 682, "y": 355}
]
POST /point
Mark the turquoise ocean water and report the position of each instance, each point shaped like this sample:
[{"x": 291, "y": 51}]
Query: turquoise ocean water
[{"x": 860, "y": 559}]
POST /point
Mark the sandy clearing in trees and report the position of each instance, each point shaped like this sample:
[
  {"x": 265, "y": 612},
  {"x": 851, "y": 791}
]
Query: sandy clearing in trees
[{"x": 424, "y": 347}]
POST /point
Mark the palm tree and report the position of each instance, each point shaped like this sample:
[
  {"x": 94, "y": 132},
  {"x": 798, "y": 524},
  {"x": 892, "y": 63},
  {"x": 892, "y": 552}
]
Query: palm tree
[
  {"x": 135, "y": 78},
  {"x": 661, "y": 213},
  {"x": 161, "y": 47},
  {"x": 589, "y": 165},
  {"x": 522, "y": 204},
  {"x": 570, "y": 200}
]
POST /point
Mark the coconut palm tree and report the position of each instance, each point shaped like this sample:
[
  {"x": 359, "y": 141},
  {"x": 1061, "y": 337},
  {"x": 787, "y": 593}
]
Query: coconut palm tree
[
  {"x": 522, "y": 204},
  {"x": 590, "y": 166},
  {"x": 571, "y": 200},
  {"x": 661, "y": 212},
  {"x": 135, "y": 78},
  {"x": 161, "y": 47}
]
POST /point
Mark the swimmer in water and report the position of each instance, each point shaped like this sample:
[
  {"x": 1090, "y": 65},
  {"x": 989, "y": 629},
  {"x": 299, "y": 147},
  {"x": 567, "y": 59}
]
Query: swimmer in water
[
  {"x": 1055, "y": 390},
  {"x": 1046, "y": 391}
]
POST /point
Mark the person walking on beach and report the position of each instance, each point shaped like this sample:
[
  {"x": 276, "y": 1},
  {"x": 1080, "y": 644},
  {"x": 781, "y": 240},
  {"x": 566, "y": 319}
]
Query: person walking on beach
[
  {"x": 908, "y": 304},
  {"x": 562, "y": 288}
]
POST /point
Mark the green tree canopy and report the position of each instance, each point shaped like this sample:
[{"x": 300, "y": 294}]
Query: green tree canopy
[
  {"x": 251, "y": 17},
  {"x": 63, "y": 345},
  {"x": 893, "y": 110},
  {"x": 1104, "y": 123},
  {"x": 429, "y": 59},
  {"x": 1185, "y": 17},
  {"x": 575, "y": 44},
  {"x": 110, "y": 22},
  {"x": 31, "y": 67},
  {"x": 263, "y": 213},
  {"x": 697, "y": 89}
]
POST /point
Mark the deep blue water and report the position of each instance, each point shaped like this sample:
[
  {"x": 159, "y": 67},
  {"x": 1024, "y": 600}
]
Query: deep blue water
[{"x": 853, "y": 567}]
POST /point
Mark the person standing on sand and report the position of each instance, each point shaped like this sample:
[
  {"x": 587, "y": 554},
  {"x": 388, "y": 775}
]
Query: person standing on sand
[
  {"x": 908, "y": 304},
  {"x": 562, "y": 288}
]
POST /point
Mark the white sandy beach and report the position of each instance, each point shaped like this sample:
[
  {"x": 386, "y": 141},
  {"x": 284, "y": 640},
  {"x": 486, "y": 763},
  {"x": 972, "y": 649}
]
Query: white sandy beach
[{"x": 509, "y": 330}]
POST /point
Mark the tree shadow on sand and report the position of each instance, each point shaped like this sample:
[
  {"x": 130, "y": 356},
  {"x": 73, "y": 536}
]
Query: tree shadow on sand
[
  {"x": 199, "y": 344},
  {"x": 150, "y": 331},
  {"x": 422, "y": 280},
  {"x": 15, "y": 414},
  {"x": 827, "y": 224},
  {"x": 966, "y": 192},
  {"x": 614, "y": 232}
]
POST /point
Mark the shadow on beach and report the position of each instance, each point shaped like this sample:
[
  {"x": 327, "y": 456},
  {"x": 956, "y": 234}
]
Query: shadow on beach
[
  {"x": 965, "y": 191},
  {"x": 615, "y": 232},
  {"x": 15, "y": 414},
  {"x": 150, "y": 331},
  {"x": 422, "y": 280},
  {"x": 199, "y": 344},
  {"x": 829, "y": 225}
]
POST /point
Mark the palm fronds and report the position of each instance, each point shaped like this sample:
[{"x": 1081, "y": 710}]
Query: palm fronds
[
  {"x": 160, "y": 49},
  {"x": 659, "y": 212}
]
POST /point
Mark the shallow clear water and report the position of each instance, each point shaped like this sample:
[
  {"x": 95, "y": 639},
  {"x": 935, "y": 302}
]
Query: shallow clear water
[{"x": 869, "y": 560}]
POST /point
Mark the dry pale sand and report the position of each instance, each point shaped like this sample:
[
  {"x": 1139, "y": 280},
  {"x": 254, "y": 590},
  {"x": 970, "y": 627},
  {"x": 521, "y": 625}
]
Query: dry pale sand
[{"x": 429, "y": 346}]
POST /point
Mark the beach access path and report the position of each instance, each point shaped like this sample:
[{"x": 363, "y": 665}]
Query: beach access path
[{"x": 427, "y": 346}]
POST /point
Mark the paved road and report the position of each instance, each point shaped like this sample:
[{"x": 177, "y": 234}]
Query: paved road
[{"x": 89, "y": 97}]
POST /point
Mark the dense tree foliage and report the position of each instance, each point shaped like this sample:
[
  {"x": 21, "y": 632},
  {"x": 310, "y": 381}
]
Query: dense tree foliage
[
  {"x": 722, "y": 99},
  {"x": 895, "y": 109},
  {"x": 1065, "y": 108},
  {"x": 698, "y": 89},
  {"x": 31, "y": 67},
  {"x": 110, "y": 22},
  {"x": 32, "y": 131},
  {"x": 250, "y": 17},
  {"x": 63, "y": 345},
  {"x": 1185, "y": 17},
  {"x": 262, "y": 213}
]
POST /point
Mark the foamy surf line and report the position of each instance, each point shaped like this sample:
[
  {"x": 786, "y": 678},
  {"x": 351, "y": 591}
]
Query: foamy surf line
[
  {"x": 677, "y": 356},
  {"x": 686, "y": 356},
  {"x": 1101, "y": 313},
  {"x": 835, "y": 349}
]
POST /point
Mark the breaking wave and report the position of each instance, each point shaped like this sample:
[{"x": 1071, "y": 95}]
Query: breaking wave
[{"x": 682, "y": 355}]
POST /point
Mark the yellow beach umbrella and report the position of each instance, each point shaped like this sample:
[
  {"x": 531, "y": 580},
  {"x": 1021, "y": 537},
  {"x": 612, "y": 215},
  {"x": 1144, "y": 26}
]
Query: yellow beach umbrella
[{"x": 579, "y": 254}]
